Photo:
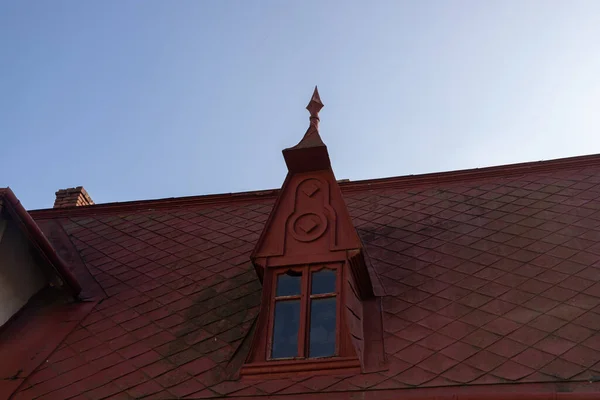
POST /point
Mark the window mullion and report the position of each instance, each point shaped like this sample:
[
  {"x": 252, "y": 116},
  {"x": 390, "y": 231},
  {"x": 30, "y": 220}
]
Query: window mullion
[
  {"x": 304, "y": 299},
  {"x": 338, "y": 301},
  {"x": 271, "y": 325}
]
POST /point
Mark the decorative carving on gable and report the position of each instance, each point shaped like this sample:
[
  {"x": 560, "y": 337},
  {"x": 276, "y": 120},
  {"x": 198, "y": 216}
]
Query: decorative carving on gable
[
  {"x": 313, "y": 214},
  {"x": 310, "y": 217},
  {"x": 308, "y": 221},
  {"x": 308, "y": 227}
]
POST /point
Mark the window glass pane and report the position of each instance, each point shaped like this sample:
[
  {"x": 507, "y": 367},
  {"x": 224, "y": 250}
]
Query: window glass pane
[
  {"x": 322, "y": 327},
  {"x": 285, "y": 329},
  {"x": 323, "y": 282},
  {"x": 288, "y": 284}
]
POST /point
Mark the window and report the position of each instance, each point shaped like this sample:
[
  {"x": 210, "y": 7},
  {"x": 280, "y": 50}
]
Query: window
[
  {"x": 310, "y": 322},
  {"x": 305, "y": 318}
]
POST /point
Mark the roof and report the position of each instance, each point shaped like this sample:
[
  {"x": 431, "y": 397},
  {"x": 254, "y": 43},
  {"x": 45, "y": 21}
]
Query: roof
[
  {"x": 35, "y": 235},
  {"x": 36, "y": 330},
  {"x": 490, "y": 281}
]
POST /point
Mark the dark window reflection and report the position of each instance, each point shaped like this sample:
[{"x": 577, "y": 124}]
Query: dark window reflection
[
  {"x": 288, "y": 284},
  {"x": 323, "y": 282},
  {"x": 285, "y": 329},
  {"x": 322, "y": 327}
]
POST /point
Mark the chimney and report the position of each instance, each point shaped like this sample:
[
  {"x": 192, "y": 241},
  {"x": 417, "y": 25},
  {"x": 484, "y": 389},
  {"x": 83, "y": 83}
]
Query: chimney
[{"x": 72, "y": 197}]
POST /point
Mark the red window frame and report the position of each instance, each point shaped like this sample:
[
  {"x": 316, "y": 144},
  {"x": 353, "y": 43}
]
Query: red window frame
[{"x": 305, "y": 298}]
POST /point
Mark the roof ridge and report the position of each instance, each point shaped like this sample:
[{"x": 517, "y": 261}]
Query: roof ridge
[{"x": 350, "y": 186}]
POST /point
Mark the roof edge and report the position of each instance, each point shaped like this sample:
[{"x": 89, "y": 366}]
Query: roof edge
[
  {"x": 37, "y": 236},
  {"x": 506, "y": 170},
  {"x": 477, "y": 173}
]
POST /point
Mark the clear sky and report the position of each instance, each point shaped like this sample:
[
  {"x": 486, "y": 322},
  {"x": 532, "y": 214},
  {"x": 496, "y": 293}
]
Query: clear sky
[{"x": 150, "y": 99}]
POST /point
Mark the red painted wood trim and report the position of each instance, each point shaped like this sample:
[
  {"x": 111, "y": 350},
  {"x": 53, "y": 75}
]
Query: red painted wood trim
[
  {"x": 346, "y": 345},
  {"x": 312, "y": 366},
  {"x": 304, "y": 314},
  {"x": 271, "y": 317},
  {"x": 339, "y": 278},
  {"x": 269, "y": 220},
  {"x": 333, "y": 256}
]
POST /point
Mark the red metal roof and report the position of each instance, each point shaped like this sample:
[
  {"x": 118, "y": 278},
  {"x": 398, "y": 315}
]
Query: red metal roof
[
  {"x": 490, "y": 278},
  {"x": 41, "y": 325}
]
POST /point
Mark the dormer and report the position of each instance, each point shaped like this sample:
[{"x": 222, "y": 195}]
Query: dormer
[{"x": 318, "y": 313}]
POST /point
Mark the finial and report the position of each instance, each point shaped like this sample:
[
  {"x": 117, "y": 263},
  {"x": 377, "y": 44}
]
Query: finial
[
  {"x": 314, "y": 106},
  {"x": 310, "y": 154}
]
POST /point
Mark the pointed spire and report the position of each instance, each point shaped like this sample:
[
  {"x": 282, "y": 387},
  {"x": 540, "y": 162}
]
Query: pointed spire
[
  {"x": 310, "y": 154},
  {"x": 311, "y": 137},
  {"x": 314, "y": 106}
]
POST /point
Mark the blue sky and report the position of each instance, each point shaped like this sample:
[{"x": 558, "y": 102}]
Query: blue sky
[{"x": 138, "y": 100}]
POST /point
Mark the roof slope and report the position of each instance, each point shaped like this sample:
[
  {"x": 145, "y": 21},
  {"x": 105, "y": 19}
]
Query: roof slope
[{"x": 488, "y": 279}]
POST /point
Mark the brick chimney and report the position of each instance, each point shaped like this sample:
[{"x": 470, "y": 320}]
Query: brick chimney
[{"x": 72, "y": 197}]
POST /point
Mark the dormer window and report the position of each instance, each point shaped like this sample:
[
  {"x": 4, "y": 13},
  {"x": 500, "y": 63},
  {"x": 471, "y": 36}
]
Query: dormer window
[
  {"x": 305, "y": 313},
  {"x": 318, "y": 313}
]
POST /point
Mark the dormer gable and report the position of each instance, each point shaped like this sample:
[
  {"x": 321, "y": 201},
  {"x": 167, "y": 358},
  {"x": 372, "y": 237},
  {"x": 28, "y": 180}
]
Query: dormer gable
[{"x": 317, "y": 291}]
